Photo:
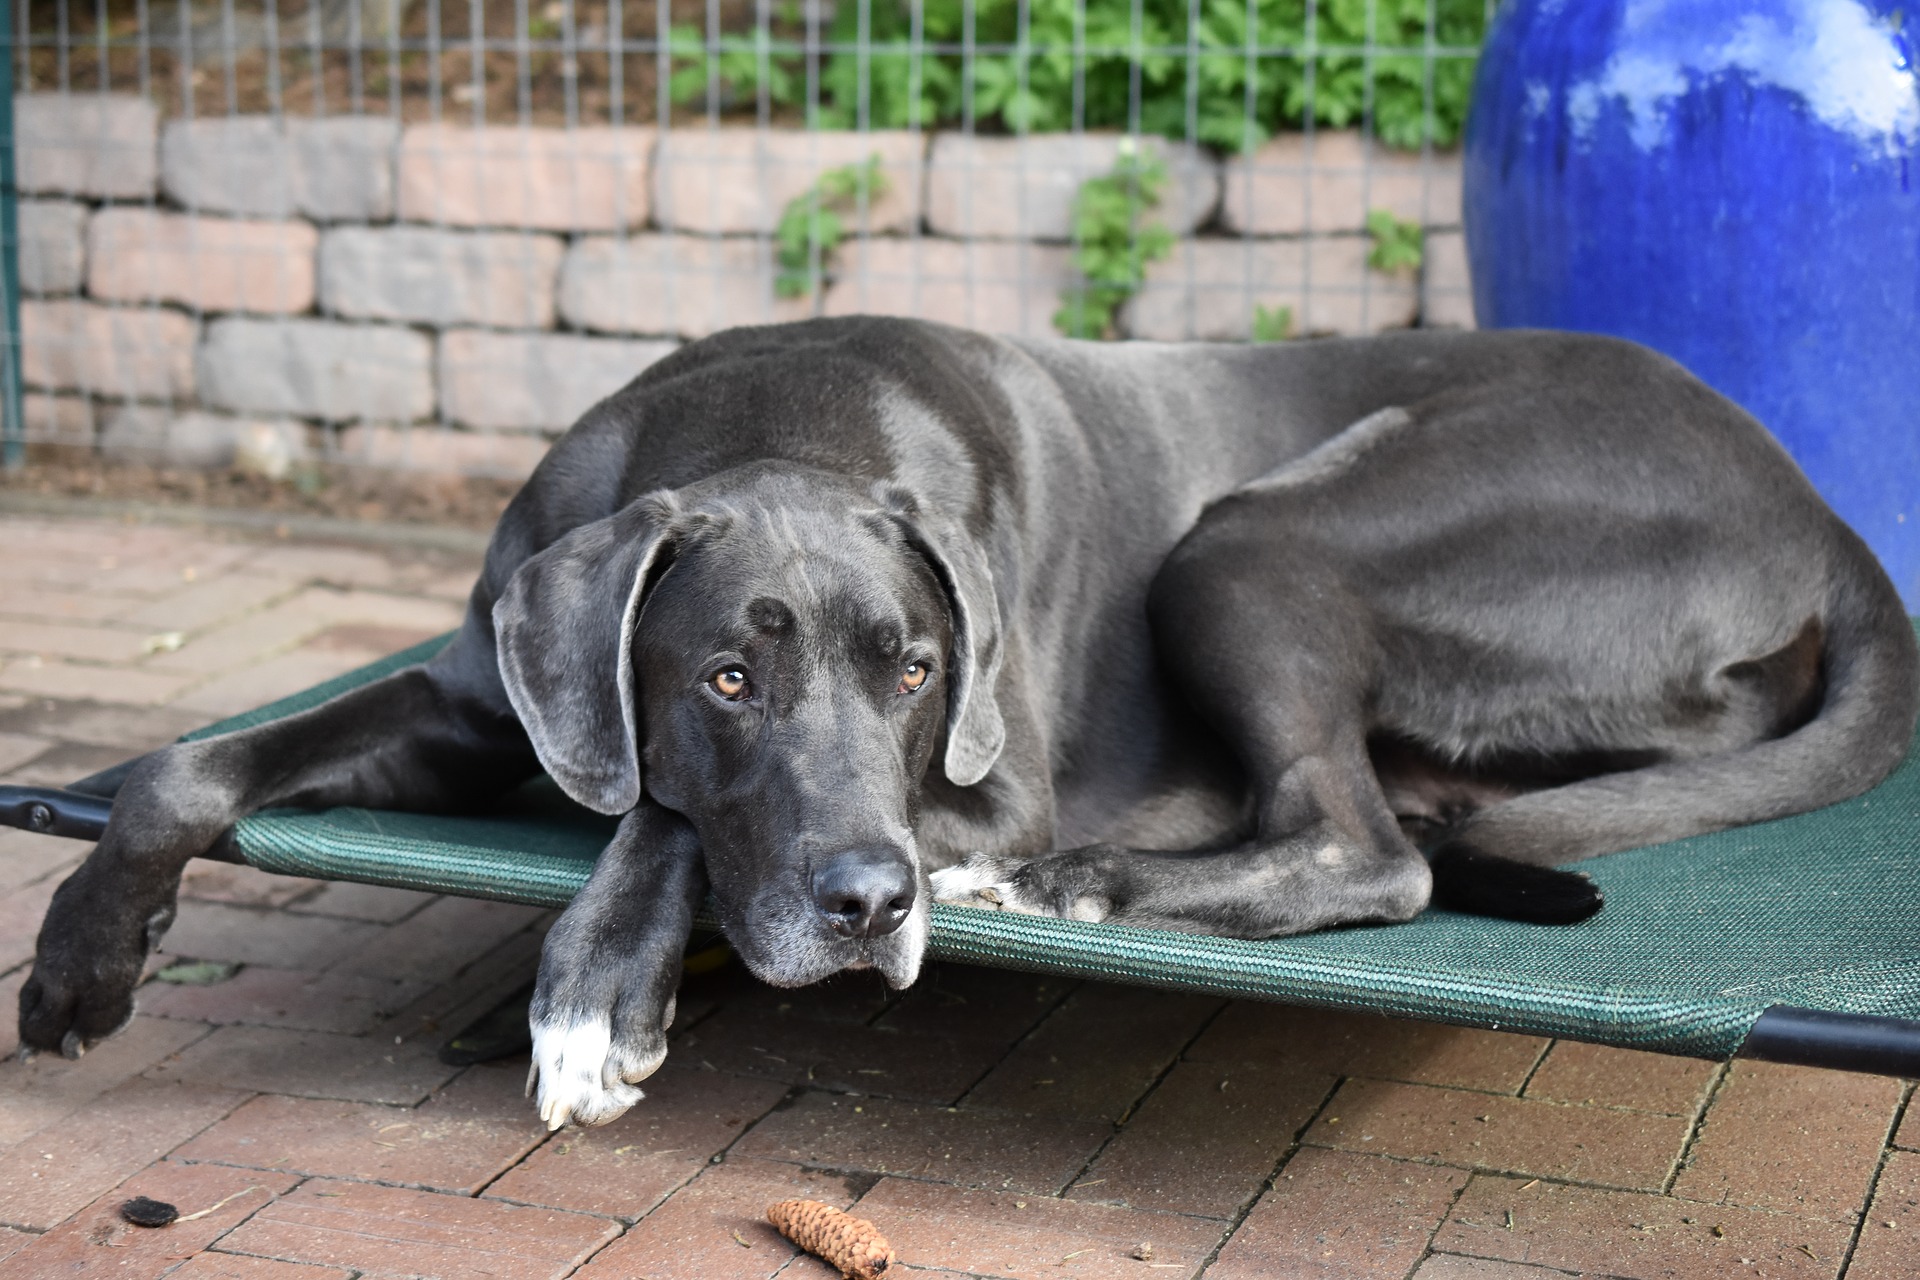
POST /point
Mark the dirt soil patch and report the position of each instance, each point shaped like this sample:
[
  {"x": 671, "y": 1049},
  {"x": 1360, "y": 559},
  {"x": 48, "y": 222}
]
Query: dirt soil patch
[{"x": 351, "y": 493}]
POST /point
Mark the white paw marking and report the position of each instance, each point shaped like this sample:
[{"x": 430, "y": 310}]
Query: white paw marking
[
  {"x": 962, "y": 883},
  {"x": 580, "y": 1076},
  {"x": 1092, "y": 910},
  {"x": 981, "y": 881}
]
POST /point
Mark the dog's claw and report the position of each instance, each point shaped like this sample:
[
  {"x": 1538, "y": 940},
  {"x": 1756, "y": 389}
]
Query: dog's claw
[
  {"x": 72, "y": 1046},
  {"x": 583, "y": 1077}
]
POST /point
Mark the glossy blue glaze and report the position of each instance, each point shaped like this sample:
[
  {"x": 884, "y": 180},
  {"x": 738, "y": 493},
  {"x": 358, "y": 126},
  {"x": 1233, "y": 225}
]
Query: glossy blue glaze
[{"x": 1735, "y": 183}]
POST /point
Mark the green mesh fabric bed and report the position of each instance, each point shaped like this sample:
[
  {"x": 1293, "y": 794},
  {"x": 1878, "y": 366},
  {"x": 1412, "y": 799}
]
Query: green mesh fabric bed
[{"x": 1797, "y": 940}]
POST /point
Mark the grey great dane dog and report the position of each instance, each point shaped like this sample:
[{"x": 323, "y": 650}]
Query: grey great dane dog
[{"x": 848, "y": 615}]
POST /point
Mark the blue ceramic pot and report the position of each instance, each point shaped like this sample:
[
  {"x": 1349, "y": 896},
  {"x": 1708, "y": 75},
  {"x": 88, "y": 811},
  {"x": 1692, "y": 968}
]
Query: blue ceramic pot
[{"x": 1735, "y": 183}]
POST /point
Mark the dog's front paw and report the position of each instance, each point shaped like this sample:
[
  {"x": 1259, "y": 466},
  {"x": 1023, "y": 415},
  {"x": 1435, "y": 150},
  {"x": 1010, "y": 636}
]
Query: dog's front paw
[
  {"x": 587, "y": 1073},
  {"x": 983, "y": 880},
  {"x": 1044, "y": 887},
  {"x": 86, "y": 967}
]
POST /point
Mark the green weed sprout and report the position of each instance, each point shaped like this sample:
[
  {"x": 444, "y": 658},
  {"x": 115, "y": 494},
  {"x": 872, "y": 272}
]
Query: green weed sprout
[
  {"x": 1112, "y": 242},
  {"x": 1275, "y": 325},
  {"x": 817, "y": 217},
  {"x": 1397, "y": 245}
]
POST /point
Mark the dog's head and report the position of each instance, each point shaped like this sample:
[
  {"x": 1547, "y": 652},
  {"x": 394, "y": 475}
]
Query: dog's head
[{"x": 779, "y": 655}]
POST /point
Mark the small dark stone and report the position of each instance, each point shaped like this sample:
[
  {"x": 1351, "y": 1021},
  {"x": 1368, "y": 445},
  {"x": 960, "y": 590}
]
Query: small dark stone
[{"x": 142, "y": 1212}]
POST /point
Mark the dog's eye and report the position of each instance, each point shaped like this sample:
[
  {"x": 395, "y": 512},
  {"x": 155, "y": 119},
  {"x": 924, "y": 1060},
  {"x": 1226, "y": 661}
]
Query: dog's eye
[
  {"x": 730, "y": 683},
  {"x": 913, "y": 677}
]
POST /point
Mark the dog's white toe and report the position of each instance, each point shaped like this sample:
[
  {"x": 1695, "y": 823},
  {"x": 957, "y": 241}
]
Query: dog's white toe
[
  {"x": 978, "y": 882},
  {"x": 577, "y": 1079}
]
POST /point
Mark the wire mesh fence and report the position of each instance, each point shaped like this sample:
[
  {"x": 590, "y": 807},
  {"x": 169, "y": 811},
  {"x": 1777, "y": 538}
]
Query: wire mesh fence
[{"x": 430, "y": 233}]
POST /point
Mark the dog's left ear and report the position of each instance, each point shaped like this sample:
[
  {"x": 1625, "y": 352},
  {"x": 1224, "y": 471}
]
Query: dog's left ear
[
  {"x": 975, "y": 730},
  {"x": 564, "y": 627}
]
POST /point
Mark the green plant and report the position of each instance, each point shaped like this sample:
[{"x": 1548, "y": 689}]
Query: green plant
[
  {"x": 735, "y": 63},
  {"x": 1255, "y": 68},
  {"x": 1397, "y": 245},
  {"x": 1112, "y": 242},
  {"x": 1274, "y": 325},
  {"x": 545, "y": 25},
  {"x": 814, "y": 219}
]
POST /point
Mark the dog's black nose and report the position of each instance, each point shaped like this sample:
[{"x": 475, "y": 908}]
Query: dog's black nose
[{"x": 864, "y": 893}]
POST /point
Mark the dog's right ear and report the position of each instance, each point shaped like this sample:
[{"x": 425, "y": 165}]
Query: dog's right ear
[{"x": 564, "y": 628}]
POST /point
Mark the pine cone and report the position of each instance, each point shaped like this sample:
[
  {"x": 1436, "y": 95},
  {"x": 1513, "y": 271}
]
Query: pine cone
[{"x": 852, "y": 1244}]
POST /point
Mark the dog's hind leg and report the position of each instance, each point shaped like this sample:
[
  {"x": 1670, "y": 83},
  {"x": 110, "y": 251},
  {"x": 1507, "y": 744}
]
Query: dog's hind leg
[
  {"x": 1870, "y": 675},
  {"x": 435, "y": 737},
  {"x": 1327, "y": 851},
  {"x": 1284, "y": 688},
  {"x": 609, "y": 969}
]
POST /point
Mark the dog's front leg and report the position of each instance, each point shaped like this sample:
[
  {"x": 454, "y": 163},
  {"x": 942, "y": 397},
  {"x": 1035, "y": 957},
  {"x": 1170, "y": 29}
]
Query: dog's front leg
[
  {"x": 609, "y": 970},
  {"x": 423, "y": 738},
  {"x": 113, "y": 910}
]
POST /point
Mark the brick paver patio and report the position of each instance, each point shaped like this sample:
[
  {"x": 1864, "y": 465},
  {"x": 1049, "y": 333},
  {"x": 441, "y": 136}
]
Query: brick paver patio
[{"x": 994, "y": 1124}]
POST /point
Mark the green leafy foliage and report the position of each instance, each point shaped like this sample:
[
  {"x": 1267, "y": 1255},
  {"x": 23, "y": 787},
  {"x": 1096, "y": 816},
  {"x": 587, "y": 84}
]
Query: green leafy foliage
[
  {"x": 1275, "y": 325},
  {"x": 816, "y": 220},
  {"x": 1254, "y": 68},
  {"x": 1113, "y": 243},
  {"x": 1397, "y": 245}
]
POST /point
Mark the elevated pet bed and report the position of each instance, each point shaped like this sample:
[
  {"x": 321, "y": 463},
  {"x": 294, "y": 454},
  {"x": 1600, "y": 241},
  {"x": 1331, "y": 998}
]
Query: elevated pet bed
[{"x": 1794, "y": 941}]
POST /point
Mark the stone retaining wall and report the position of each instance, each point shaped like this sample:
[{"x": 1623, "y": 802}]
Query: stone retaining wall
[{"x": 451, "y": 297}]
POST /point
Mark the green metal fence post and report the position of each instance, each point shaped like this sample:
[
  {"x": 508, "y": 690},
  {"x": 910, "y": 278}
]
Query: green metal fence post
[{"x": 13, "y": 427}]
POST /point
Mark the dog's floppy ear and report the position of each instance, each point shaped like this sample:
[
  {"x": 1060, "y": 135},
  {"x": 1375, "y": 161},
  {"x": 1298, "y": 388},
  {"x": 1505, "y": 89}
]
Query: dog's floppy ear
[
  {"x": 565, "y": 633},
  {"x": 975, "y": 731}
]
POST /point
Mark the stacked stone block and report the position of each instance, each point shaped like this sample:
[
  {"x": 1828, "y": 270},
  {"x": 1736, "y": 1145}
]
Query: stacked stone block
[{"x": 451, "y": 297}]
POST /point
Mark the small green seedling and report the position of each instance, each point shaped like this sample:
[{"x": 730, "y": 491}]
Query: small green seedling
[
  {"x": 1397, "y": 245},
  {"x": 1275, "y": 325},
  {"x": 1112, "y": 242},
  {"x": 817, "y": 218}
]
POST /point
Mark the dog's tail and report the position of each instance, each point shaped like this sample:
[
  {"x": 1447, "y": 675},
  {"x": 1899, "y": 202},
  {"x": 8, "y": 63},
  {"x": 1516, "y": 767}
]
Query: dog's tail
[{"x": 1871, "y": 672}]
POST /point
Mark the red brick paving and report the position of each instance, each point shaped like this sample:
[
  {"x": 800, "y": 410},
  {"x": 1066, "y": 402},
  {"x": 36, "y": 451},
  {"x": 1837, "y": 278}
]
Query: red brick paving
[
  {"x": 98, "y": 1241},
  {"x": 716, "y": 1228},
  {"x": 1097, "y": 1053},
  {"x": 313, "y": 1064},
  {"x": 397, "y": 1230},
  {"x": 1480, "y": 1131},
  {"x": 1889, "y": 1247},
  {"x": 1791, "y": 1138},
  {"x": 48, "y": 1176},
  {"x": 1333, "y": 1213},
  {"x": 1453, "y": 1266},
  {"x": 969, "y": 1147},
  {"x": 460, "y": 1139},
  {"x": 625, "y": 1168},
  {"x": 48, "y": 1089},
  {"x": 1003, "y": 1233},
  {"x": 1378, "y": 1048},
  {"x": 993, "y": 1123},
  {"x": 251, "y": 935},
  {"x": 1204, "y": 1141},
  {"x": 293, "y": 998},
  {"x": 1633, "y": 1235},
  {"x": 1907, "y": 1137},
  {"x": 805, "y": 1051},
  {"x": 236, "y": 1266},
  {"x": 1595, "y": 1076}
]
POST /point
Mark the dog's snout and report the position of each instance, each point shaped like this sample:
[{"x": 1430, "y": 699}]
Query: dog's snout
[{"x": 865, "y": 893}]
